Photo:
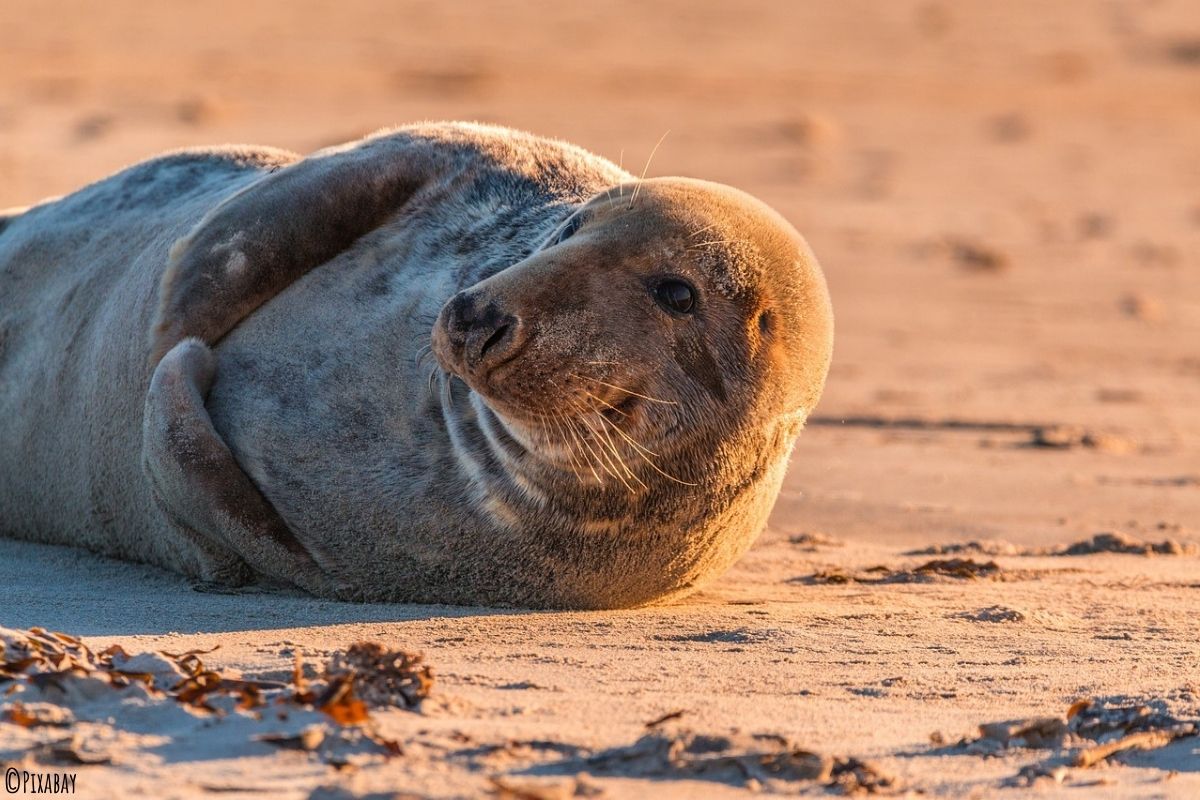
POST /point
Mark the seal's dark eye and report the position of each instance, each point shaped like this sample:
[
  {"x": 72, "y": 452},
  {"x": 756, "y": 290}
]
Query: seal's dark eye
[
  {"x": 675, "y": 295},
  {"x": 569, "y": 229}
]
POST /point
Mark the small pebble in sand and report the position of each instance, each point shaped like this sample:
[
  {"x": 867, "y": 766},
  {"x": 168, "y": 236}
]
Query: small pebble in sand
[
  {"x": 1183, "y": 52},
  {"x": 1121, "y": 395},
  {"x": 992, "y": 614},
  {"x": 1009, "y": 128},
  {"x": 197, "y": 110},
  {"x": 975, "y": 256},
  {"x": 1146, "y": 253},
  {"x": 1033, "y": 774},
  {"x": 810, "y": 541},
  {"x": 1095, "y": 225},
  {"x": 809, "y": 129},
  {"x": 1142, "y": 306},
  {"x": 93, "y": 126}
]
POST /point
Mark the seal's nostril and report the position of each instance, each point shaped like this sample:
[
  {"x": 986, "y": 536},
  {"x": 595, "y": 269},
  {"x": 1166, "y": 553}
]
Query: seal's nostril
[
  {"x": 476, "y": 331},
  {"x": 493, "y": 339}
]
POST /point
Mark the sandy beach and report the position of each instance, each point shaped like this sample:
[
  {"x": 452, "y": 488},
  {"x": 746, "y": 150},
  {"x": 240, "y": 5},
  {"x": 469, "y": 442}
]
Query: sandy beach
[{"x": 993, "y": 515}]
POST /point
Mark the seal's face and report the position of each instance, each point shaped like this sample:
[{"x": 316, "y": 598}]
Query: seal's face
[{"x": 656, "y": 311}]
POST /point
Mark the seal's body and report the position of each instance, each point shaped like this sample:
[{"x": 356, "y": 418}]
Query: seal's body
[{"x": 221, "y": 362}]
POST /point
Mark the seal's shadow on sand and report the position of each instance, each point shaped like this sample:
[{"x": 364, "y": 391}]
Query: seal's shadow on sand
[{"x": 71, "y": 590}]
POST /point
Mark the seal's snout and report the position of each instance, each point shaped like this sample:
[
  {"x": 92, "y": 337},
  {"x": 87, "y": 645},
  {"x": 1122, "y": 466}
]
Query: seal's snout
[{"x": 476, "y": 335}]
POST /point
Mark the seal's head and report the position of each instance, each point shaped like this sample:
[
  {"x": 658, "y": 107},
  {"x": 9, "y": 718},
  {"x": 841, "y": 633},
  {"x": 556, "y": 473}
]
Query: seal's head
[{"x": 663, "y": 316}]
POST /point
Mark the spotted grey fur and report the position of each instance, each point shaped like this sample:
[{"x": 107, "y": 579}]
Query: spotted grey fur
[{"x": 213, "y": 362}]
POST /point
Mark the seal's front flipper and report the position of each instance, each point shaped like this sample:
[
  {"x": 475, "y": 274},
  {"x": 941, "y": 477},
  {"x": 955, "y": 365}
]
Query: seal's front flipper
[
  {"x": 200, "y": 486},
  {"x": 259, "y": 241}
]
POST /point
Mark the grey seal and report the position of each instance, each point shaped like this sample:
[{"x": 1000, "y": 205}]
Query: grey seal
[{"x": 448, "y": 363}]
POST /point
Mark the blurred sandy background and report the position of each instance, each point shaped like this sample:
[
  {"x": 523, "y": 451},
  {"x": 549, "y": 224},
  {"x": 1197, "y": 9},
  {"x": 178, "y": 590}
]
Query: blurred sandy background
[{"x": 1006, "y": 200}]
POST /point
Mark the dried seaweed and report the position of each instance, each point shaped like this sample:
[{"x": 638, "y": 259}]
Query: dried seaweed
[
  {"x": 33, "y": 715},
  {"x": 385, "y": 677},
  {"x": 852, "y": 776},
  {"x": 1104, "y": 542},
  {"x": 966, "y": 568},
  {"x": 974, "y": 547},
  {"x": 738, "y": 759},
  {"x": 1088, "y": 734},
  {"x": 1118, "y": 542},
  {"x": 668, "y": 717},
  {"x": 1067, "y": 437},
  {"x": 928, "y": 572},
  {"x": 367, "y": 675}
]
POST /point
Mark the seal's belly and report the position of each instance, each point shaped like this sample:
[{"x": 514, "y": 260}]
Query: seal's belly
[{"x": 324, "y": 396}]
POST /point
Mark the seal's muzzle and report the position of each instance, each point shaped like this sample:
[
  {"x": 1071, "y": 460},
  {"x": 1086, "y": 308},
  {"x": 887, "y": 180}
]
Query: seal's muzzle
[{"x": 473, "y": 336}]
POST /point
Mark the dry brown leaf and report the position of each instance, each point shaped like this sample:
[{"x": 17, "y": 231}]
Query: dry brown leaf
[
  {"x": 1144, "y": 740},
  {"x": 192, "y": 690},
  {"x": 196, "y": 652},
  {"x": 673, "y": 715},
  {"x": 113, "y": 650},
  {"x": 38, "y": 715},
  {"x": 340, "y": 704},
  {"x": 1078, "y": 707}
]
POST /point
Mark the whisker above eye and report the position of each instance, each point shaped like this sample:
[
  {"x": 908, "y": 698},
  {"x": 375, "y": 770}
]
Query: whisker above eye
[
  {"x": 699, "y": 231},
  {"x": 717, "y": 241},
  {"x": 645, "y": 169}
]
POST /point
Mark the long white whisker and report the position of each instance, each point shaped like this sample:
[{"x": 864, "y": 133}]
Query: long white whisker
[
  {"x": 702, "y": 230},
  {"x": 568, "y": 445},
  {"x": 605, "y": 403},
  {"x": 717, "y": 241},
  {"x": 645, "y": 169},
  {"x": 608, "y": 442},
  {"x": 584, "y": 450},
  {"x": 612, "y": 446},
  {"x": 627, "y": 391},
  {"x": 638, "y": 450},
  {"x": 604, "y": 460}
]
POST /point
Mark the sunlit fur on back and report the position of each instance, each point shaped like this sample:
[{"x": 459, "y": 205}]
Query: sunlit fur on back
[{"x": 569, "y": 442}]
